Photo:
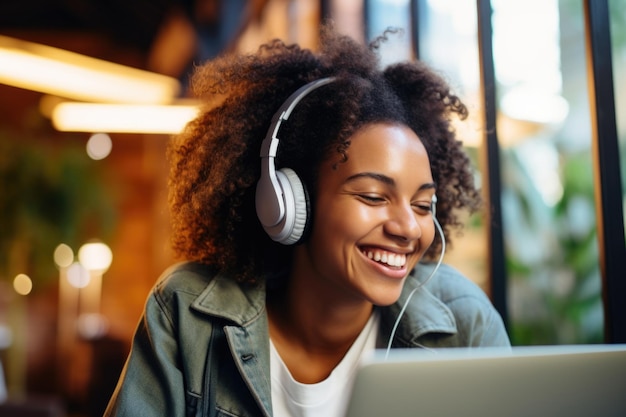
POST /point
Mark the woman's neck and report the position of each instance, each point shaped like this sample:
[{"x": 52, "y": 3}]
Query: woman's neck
[{"x": 311, "y": 331}]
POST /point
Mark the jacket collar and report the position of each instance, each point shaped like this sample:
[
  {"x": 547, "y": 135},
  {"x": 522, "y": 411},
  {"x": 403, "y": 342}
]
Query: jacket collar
[
  {"x": 425, "y": 313},
  {"x": 225, "y": 298}
]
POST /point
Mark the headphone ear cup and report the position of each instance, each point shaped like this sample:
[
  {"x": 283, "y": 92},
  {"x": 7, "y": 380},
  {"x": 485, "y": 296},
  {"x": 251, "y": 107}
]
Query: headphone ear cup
[{"x": 292, "y": 228}]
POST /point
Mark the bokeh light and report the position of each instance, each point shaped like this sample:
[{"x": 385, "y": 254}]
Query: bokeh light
[
  {"x": 63, "y": 256},
  {"x": 92, "y": 326},
  {"x": 99, "y": 146},
  {"x": 95, "y": 256},
  {"x": 22, "y": 284},
  {"x": 78, "y": 276}
]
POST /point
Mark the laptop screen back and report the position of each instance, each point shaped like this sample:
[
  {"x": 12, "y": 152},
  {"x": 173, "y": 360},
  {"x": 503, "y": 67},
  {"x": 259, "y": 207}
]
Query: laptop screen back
[{"x": 551, "y": 381}]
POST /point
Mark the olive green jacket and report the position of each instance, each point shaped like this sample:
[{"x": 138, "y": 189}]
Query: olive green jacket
[{"x": 202, "y": 344}]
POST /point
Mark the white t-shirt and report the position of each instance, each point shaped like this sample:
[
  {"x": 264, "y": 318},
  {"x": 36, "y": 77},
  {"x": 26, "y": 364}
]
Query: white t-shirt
[{"x": 328, "y": 398}]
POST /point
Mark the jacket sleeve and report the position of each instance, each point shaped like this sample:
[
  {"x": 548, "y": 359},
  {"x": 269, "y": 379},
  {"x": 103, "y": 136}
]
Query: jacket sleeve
[
  {"x": 151, "y": 383},
  {"x": 493, "y": 331},
  {"x": 478, "y": 322}
]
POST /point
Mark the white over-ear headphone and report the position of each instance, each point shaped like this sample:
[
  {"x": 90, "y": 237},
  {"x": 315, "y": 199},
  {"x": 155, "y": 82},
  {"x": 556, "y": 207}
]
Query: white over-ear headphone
[
  {"x": 281, "y": 199},
  {"x": 433, "y": 206}
]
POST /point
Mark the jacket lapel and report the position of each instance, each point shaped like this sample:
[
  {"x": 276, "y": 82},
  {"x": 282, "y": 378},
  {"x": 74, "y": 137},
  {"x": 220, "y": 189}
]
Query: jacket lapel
[{"x": 242, "y": 309}]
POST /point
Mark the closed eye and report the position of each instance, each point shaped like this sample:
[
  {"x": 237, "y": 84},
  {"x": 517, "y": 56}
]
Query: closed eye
[
  {"x": 371, "y": 198},
  {"x": 423, "y": 208}
]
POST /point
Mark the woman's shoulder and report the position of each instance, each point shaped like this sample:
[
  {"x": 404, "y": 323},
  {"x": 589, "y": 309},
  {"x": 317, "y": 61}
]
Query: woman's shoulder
[
  {"x": 477, "y": 320},
  {"x": 193, "y": 286},
  {"x": 448, "y": 283},
  {"x": 184, "y": 278},
  {"x": 460, "y": 294}
]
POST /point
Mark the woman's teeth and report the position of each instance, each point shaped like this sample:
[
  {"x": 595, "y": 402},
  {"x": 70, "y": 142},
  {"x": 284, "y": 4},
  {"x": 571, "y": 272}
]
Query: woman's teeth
[{"x": 391, "y": 259}]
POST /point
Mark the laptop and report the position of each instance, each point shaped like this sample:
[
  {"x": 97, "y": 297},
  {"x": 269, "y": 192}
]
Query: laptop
[{"x": 537, "y": 381}]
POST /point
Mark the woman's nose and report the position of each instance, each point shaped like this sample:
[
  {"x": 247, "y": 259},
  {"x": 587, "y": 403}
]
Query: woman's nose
[{"x": 403, "y": 222}]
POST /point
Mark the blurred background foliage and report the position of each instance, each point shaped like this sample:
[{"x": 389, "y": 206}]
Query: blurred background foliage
[
  {"x": 556, "y": 278},
  {"x": 52, "y": 193},
  {"x": 555, "y": 283}
]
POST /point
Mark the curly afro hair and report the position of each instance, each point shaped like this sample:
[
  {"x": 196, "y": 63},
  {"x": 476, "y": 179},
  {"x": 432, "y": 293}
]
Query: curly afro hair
[{"x": 215, "y": 162}]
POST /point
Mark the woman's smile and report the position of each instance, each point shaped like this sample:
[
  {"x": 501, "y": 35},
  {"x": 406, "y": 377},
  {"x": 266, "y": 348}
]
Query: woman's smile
[
  {"x": 388, "y": 263},
  {"x": 393, "y": 260}
]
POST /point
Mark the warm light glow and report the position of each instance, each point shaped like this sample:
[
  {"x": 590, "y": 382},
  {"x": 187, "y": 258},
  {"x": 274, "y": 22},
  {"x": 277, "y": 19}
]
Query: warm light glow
[
  {"x": 99, "y": 146},
  {"x": 55, "y": 71},
  {"x": 122, "y": 118},
  {"x": 92, "y": 325},
  {"x": 22, "y": 284},
  {"x": 63, "y": 255},
  {"x": 78, "y": 276},
  {"x": 95, "y": 256}
]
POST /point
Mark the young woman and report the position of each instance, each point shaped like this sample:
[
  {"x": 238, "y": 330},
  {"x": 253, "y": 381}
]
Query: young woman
[{"x": 303, "y": 200}]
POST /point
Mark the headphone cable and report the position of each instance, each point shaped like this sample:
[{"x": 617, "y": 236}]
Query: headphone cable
[{"x": 420, "y": 285}]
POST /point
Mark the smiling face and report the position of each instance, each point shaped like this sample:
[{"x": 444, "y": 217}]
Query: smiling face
[{"x": 372, "y": 220}]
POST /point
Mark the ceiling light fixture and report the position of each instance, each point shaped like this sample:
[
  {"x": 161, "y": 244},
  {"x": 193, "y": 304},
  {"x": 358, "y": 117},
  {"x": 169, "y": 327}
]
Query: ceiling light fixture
[
  {"x": 123, "y": 118},
  {"x": 67, "y": 74}
]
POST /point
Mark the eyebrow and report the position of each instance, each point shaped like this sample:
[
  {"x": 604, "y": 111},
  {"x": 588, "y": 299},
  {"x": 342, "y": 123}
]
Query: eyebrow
[{"x": 386, "y": 180}]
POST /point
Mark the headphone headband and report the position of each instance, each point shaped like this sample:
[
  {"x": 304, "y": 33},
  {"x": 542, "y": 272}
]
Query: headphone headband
[
  {"x": 269, "y": 146},
  {"x": 280, "y": 196}
]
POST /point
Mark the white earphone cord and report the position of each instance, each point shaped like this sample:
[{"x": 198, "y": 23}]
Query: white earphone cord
[{"x": 420, "y": 285}]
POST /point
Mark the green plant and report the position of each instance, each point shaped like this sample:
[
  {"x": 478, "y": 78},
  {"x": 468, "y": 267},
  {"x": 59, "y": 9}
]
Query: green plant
[
  {"x": 51, "y": 193},
  {"x": 552, "y": 255}
]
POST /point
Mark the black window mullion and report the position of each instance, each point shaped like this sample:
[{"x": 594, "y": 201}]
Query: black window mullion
[
  {"x": 497, "y": 265},
  {"x": 325, "y": 12},
  {"x": 610, "y": 218},
  {"x": 415, "y": 36}
]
